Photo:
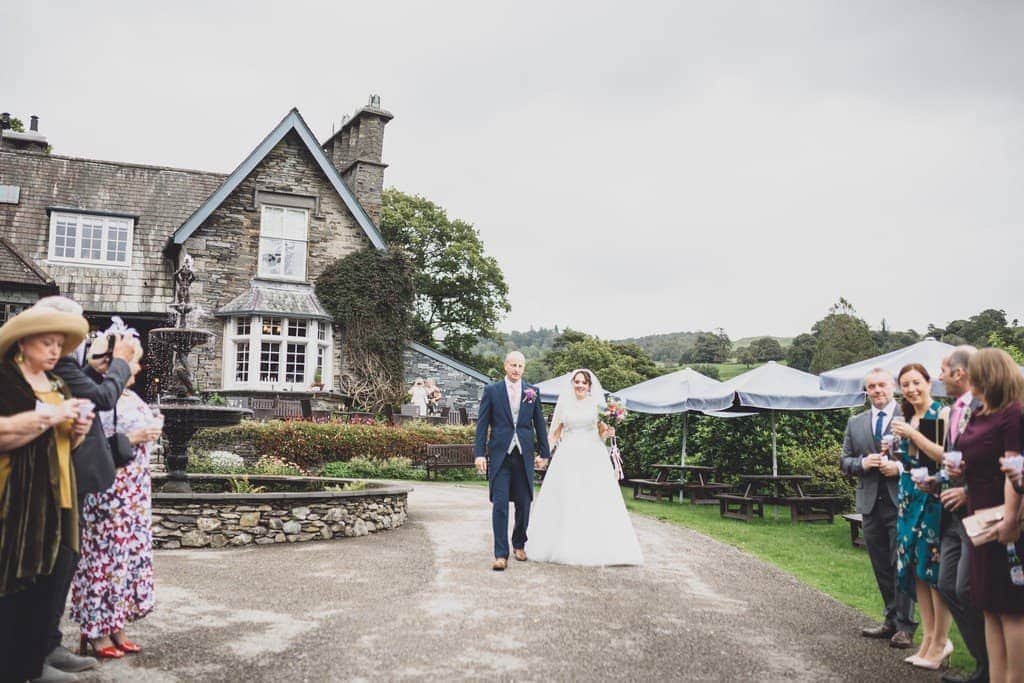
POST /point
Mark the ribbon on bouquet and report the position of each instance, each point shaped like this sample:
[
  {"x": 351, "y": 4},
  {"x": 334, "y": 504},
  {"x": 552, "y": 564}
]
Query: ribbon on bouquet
[{"x": 616, "y": 458}]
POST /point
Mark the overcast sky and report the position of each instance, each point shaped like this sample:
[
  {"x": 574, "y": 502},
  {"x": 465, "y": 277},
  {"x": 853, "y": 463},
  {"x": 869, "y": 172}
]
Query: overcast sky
[{"x": 634, "y": 167}]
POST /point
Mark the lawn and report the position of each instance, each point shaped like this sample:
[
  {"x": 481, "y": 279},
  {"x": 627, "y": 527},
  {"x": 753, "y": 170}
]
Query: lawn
[{"x": 817, "y": 554}]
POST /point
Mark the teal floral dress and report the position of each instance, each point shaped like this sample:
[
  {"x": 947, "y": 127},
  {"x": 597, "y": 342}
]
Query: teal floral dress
[{"x": 917, "y": 527}]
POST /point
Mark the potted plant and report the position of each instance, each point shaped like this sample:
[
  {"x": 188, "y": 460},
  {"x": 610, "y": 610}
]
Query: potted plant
[{"x": 318, "y": 380}]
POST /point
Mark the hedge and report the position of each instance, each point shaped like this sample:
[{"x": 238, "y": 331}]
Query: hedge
[{"x": 311, "y": 444}]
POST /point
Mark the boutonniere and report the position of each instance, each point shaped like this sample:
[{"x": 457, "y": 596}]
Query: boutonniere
[
  {"x": 965, "y": 417},
  {"x": 529, "y": 395}
]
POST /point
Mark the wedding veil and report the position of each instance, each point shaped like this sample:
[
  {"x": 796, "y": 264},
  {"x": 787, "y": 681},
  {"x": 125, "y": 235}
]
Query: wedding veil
[{"x": 566, "y": 394}]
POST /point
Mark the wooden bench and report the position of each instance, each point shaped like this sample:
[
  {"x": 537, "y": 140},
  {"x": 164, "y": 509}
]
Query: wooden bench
[
  {"x": 654, "y": 490},
  {"x": 737, "y": 506},
  {"x": 704, "y": 494},
  {"x": 856, "y": 521},
  {"x": 447, "y": 457},
  {"x": 812, "y": 508}
]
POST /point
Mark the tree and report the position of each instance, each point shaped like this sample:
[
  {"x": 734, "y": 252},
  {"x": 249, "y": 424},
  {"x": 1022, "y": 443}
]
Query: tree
[
  {"x": 746, "y": 356},
  {"x": 710, "y": 348},
  {"x": 801, "y": 352},
  {"x": 370, "y": 293},
  {"x": 976, "y": 330},
  {"x": 461, "y": 293},
  {"x": 616, "y": 365},
  {"x": 842, "y": 338},
  {"x": 765, "y": 349}
]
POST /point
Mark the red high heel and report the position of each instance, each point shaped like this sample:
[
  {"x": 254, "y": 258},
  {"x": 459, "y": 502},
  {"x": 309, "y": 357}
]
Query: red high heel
[
  {"x": 109, "y": 652},
  {"x": 126, "y": 645}
]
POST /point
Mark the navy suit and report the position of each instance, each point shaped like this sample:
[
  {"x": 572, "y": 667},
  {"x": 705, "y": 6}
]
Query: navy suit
[{"x": 510, "y": 474}]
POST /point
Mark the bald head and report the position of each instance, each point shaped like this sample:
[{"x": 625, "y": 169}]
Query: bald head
[{"x": 515, "y": 363}]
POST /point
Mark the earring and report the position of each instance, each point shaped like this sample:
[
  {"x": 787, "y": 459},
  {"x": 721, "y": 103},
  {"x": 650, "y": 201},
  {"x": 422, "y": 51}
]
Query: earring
[{"x": 19, "y": 358}]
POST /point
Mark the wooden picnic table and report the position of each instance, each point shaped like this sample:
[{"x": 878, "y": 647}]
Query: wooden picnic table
[
  {"x": 778, "y": 483},
  {"x": 693, "y": 480},
  {"x": 803, "y": 507}
]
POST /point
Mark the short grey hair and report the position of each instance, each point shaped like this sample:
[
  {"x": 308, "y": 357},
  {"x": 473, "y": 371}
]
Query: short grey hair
[
  {"x": 879, "y": 371},
  {"x": 960, "y": 356},
  {"x": 510, "y": 354}
]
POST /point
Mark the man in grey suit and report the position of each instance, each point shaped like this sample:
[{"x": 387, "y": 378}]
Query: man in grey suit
[
  {"x": 877, "y": 492},
  {"x": 954, "y": 565}
]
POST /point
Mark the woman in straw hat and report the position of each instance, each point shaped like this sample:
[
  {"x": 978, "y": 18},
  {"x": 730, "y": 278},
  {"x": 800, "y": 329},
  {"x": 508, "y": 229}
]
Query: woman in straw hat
[{"x": 38, "y": 506}]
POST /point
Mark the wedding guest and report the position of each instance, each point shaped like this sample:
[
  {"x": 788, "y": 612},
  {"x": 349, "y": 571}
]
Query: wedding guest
[
  {"x": 114, "y": 582},
  {"x": 418, "y": 396},
  {"x": 877, "y": 495},
  {"x": 954, "y": 549},
  {"x": 993, "y": 434},
  {"x": 433, "y": 396},
  {"x": 39, "y": 513},
  {"x": 94, "y": 469},
  {"x": 918, "y": 527}
]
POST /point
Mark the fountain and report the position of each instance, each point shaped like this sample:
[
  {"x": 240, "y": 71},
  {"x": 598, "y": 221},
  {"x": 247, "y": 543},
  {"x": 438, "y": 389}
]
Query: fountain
[{"x": 184, "y": 413}]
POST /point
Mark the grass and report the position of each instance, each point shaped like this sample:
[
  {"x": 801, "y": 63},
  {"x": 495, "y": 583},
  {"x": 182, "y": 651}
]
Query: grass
[{"x": 817, "y": 554}]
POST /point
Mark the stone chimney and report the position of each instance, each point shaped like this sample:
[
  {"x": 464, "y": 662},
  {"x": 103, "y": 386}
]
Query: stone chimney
[
  {"x": 356, "y": 149},
  {"x": 28, "y": 141}
]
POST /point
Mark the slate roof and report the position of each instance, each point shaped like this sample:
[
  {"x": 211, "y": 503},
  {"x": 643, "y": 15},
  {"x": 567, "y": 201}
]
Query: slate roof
[
  {"x": 275, "y": 299},
  {"x": 18, "y": 269},
  {"x": 449, "y": 361}
]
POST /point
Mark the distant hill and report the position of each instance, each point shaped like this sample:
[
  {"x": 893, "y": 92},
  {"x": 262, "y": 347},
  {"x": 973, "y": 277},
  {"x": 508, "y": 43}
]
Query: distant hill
[
  {"x": 740, "y": 343},
  {"x": 664, "y": 348}
]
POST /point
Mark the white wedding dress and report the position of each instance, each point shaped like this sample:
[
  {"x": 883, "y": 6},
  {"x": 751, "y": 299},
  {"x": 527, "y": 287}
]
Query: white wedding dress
[{"x": 579, "y": 517}]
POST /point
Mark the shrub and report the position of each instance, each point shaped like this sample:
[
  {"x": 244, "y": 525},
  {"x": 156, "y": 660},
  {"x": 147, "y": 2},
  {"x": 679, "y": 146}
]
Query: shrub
[
  {"x": 270, "y": 464},
  {"x": 202, "y": 463},
  {"x": 365, "y": 468},
  {"x": 822, "y": 463},
  {"x": 309, "y": 445}
]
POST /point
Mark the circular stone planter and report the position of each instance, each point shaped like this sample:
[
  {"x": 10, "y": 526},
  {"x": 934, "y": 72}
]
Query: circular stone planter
[{"x": 289, "y": 510}]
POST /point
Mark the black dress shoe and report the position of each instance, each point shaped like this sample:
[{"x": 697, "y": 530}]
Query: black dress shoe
[
  {"x": 883, "y": 631},
  {"x": 979, "y": 676}
]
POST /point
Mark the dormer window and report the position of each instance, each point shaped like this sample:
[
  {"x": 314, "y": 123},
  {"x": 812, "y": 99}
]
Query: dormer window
[
  {"x": 93, "y": 240},
  {"x": 283, "y": 235}
]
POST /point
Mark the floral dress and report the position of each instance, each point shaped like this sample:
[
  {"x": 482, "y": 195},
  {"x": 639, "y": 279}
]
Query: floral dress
[
  {"x": 918, "y": 526},
  {"x": 114, "y": 582}
]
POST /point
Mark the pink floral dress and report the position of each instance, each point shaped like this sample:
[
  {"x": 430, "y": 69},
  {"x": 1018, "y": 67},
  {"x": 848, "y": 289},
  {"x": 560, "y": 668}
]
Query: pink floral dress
[{"x": 114, "y": 582}]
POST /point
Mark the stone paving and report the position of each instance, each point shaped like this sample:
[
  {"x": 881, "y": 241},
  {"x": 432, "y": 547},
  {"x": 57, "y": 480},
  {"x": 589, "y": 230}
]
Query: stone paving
[{"x": 420, "y": 602}]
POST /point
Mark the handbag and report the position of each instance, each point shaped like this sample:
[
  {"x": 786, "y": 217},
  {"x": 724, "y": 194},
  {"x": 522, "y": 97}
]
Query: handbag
[
  {"x": 981, "y": 526},
  {"x": 120, "y": 446}
]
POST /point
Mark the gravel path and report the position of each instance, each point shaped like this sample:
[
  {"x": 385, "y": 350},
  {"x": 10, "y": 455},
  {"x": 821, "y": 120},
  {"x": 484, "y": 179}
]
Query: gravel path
[{"x": 420, "y": 602}]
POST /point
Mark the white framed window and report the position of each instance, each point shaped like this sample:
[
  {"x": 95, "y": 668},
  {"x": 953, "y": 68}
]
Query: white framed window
[
  {"x": 283, "y": 235},
  {"x": 276, "y": 353},
  {"x": 84, "y": 239}
]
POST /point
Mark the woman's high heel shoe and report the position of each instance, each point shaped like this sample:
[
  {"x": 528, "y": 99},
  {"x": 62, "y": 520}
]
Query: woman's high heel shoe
[
  {"x": 108, "y": 652},
  {"x": 942, "y": 662}
]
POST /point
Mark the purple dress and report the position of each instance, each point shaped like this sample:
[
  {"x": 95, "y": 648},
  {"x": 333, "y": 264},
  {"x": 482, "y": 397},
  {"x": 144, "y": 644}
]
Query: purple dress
[{"x": 985, "y": 440}]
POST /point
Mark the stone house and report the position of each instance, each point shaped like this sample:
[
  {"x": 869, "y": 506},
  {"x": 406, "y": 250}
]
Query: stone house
[{"x": 111, "y": 235}]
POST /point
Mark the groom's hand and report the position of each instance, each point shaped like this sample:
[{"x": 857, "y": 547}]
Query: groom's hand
[
  {"x": 540, "y": 463},
  {"x": 481, "y": 465}
]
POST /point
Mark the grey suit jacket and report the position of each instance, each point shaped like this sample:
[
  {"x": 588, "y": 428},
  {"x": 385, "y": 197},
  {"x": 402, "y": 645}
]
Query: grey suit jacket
[{"x": 858, "y": 441}]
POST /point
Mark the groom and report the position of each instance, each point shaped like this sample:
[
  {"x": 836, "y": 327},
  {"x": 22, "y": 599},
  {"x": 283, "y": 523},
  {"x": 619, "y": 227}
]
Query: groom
[{"x": 510, "y": 410}]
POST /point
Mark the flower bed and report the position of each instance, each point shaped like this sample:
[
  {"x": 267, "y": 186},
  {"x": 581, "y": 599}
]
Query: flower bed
[{"x": 275, "y": 510}]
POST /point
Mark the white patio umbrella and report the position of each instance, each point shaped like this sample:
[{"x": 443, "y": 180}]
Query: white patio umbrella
[
  {"x": 550, "y": 388},
  {"x": 773, "y": 387},
  {"x": 684, "y": 391},
  {"x": 928, "y": 352}
]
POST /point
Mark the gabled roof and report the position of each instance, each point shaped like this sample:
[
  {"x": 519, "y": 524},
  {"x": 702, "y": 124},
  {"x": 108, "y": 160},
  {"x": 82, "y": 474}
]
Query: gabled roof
[
  {"x": 292, "y": 122},
  {"x": 450, "y": 362},
  {"x": 17, "y": 268}
]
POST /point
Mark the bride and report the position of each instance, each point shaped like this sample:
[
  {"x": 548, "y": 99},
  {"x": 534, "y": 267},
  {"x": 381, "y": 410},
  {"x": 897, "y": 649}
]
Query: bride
[{"x": 579, "y": 516}]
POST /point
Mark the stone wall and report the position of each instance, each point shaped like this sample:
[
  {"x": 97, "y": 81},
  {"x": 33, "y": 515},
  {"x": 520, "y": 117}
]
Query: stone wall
[
  {"x": 454, "y": 383},
  {"x": 219, "y": 520}
]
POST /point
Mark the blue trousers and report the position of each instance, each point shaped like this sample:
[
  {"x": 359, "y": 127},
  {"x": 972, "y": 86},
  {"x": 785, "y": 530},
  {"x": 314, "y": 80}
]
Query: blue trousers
[{"x": 510, "y": 484}]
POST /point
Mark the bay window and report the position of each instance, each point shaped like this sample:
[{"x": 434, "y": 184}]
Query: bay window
[{"x": 277, "y": 353}]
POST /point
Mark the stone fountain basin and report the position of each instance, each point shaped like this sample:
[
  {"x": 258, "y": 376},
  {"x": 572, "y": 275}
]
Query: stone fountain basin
[
  {"x": 299, "y": 511},
  {"x": 198, "y": 415},
  {"x": 180, "y": 337}
]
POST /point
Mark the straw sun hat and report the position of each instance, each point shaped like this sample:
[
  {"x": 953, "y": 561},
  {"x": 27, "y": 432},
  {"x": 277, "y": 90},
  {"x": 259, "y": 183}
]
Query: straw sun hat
[{"x": 42, "y": 319}]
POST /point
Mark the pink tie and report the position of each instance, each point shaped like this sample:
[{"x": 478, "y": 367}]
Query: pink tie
[
  {"x": 954, "y": 420},
  {"x": 513, "y": 395}
]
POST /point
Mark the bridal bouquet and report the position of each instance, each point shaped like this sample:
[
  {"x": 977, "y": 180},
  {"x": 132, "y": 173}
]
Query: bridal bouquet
[{"x": 614, "y": 411}]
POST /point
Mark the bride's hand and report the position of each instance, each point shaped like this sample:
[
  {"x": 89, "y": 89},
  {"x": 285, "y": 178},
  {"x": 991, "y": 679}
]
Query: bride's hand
[{"x": 610, "y": 431}]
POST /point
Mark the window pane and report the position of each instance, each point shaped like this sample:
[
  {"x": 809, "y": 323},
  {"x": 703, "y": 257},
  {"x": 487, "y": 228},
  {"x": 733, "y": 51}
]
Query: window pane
[
  {"x": 65, "y": 239},
  {"x": 272, "y": 327},
  {"x": 117, "y": 242},
  {"x": 295, "y": 259},
  {"x": 270, "y": 361},
  {"x": 272, "y": 223},
  {"x": 243, "y": 326},
  {"x": 92, "y": 241},
  {"x": 242, "y": 362},
  {"x": 271, "y": 256},
  {"x": 322, "y": 330},
  {"x": 320, "y": 358},
  {"x": 294, "y": 224},
  {"x": 295, "y": 365},
  {"x": 297, "y": 328}
]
